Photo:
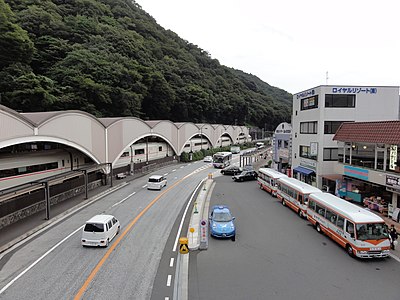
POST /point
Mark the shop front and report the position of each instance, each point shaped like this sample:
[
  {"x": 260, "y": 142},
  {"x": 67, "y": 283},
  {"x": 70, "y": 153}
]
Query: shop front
[
  {"x": 305, "y": 175},
  {"x": 375, "y": 197}
]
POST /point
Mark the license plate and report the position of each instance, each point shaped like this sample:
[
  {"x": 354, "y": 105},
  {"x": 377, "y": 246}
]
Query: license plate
[{"x": 376, "y": 249}]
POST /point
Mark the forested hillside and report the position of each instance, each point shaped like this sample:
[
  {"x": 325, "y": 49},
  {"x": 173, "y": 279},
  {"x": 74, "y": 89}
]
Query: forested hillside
[{"x": 111, "y": 58}]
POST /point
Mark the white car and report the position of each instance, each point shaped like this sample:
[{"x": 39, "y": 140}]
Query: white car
[
  {"x": 100, "y": 230},
  {"x": 208, "y": 159}
]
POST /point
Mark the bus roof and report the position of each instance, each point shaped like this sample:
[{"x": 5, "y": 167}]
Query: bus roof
[
  {"x": 347, "y": 209},
  {"x": 299, "y": 185},
  {"x": 271, "y": 172},
  {"x": 223, "y": 153}
]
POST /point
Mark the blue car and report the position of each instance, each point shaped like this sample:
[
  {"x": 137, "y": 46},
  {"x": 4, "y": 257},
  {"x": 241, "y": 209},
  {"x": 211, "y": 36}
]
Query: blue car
[{"x": 222, "y": 222}]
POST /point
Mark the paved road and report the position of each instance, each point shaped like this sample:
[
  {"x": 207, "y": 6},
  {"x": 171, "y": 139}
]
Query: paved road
[
  {"x": 278, "y": 255},
  {"x": 43, "y": 270}
]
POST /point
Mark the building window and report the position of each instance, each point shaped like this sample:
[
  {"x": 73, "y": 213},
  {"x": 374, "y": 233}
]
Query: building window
[
  {"x": 309, "y": 103},
  {"x": 308, "y": 127},
  {"x": 337, "y": 100},
  {"x": 139, "y": 151},
  {"x": 331, "y": 154},
  {"x": 330, "y": 127},
  {"x": 305, "y": 152},
  {"x": 160, "y": 148}
]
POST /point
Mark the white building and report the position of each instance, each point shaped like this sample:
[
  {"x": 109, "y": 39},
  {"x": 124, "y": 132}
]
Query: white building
[
  {"x": 281, "y": 145},
  {"x": 318, "y": 113}
]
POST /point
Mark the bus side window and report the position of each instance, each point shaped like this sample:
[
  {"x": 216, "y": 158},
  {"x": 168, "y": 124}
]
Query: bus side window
[
  {"x": 320, "y": 210},
  {"x": 350, "y": 228},
  {"x": 340, "y": 222},
  {"x": 311, "y": 205}
]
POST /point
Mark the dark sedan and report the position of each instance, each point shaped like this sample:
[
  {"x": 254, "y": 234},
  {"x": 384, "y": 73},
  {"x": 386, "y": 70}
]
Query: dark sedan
[
  {"x": 245, "y": 175},
  {"x": 231, "y": 170}
]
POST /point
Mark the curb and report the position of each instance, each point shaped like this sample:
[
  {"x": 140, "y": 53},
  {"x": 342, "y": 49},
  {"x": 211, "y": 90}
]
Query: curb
[
  {"x": 56, "y": 219},
  {"x": 202, "y": 200}
]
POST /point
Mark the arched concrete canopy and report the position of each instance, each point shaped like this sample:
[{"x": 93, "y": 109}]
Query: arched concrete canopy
[
  {"x": 13, "y": 125},
  {"x": 221, "y": 130},
  {"x": 101, "y": 139},
  {"x": 186, "y": 132},
  {"x": 206, "y": 130},
  {"x": 120, "y": 134},
  {"x": 75, "y": 128},
  {"x": 40, "y": 138},
  {"x": 165, "y": 130}
]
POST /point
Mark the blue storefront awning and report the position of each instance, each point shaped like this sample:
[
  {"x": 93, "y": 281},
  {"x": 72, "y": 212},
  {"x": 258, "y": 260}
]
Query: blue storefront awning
[{"x": 303, "y": 170}]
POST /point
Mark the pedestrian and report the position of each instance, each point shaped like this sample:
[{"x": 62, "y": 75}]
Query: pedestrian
[{"x": 393, "y": 236}]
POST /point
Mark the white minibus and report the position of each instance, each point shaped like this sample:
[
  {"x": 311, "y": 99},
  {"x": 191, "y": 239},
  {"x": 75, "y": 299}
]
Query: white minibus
[
  {"x": 294, "y": 193},
  {"x": 100, "y": 230},
  {"x": 156, "y": 182},
  {"x": 361, "y": 232},
  {"x": 267, "y": 179}
]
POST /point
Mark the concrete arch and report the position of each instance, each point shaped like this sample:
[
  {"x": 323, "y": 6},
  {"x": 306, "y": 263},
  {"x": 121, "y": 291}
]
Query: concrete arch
[
  {"x": 185, "y": 133},
  {"x": 141, "y": 137},
  {"x": 12, "y": 125},
  {"x": 121, "y": 133},
  {"x": 78, "y": 128},
  {"x": 37, "y": 138}
]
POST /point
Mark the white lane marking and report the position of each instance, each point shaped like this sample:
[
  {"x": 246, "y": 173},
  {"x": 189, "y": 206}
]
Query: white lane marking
[
  {"x": 175, "y": 177},
  {"x": 38, "y": 260},
  {"x": 144, "y": 186},
  {"x": 166, "y": 298},
  {"x": 394, "y": 257},
  {"x": 173, "y": 170},
  {"x": 52, "y": 223},
  {"x": 184, "y": 215},
  {"x": 171, "y": 262},
  {"x": 127, "y": 197},
  {"x": 169, "y": 280},
  {"x": 182, "y": 167},
  {"x": 165, "y": 174}
]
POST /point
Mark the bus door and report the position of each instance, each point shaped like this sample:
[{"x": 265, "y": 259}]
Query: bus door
[{"x": 349, "y": 231}]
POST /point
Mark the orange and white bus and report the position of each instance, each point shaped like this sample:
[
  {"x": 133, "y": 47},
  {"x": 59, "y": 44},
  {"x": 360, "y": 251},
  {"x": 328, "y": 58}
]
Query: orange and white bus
[
  {"x": 267, "y": 179},
  {"x": 294, "y": 193},
  {"x": 361, "y": 232}
]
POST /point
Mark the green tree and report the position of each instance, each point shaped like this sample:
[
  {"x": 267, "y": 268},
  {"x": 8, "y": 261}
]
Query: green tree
[{"x": 15, "y": 44}]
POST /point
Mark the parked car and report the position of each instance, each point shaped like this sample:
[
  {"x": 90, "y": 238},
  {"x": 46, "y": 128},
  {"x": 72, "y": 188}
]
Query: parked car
[
  {"x": 222, "y": 222},
  {"x": 208, "y": 159},
  {"x": 248, "y": 168},
  {"x": 245, "y": 175},
  {"x": 231, "y": 170}
]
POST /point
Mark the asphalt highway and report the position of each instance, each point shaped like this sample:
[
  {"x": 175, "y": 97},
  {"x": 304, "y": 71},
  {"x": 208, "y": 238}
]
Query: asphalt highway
[{"x": 54, "y": 265}]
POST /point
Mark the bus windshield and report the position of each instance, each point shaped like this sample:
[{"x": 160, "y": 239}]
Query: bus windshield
[
  {"x": 218, "y": 159},
  {"x": 372, "y": 231}
]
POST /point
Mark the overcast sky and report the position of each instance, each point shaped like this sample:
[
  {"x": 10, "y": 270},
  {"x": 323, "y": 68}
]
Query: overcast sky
[{"x": 292, "y": 44}]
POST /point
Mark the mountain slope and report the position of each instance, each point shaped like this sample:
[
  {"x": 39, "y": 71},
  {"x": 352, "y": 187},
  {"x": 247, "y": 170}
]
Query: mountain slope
[{"x": 111, "y": 58}]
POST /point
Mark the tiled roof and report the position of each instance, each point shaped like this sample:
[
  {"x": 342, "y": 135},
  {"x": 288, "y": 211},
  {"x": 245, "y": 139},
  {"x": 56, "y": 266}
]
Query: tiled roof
[{"x": 387, "y": 132}]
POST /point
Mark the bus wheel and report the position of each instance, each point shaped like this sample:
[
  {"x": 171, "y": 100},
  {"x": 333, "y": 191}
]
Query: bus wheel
[
  {"x": 300, "y": 213},
  {"x": 318, "y": 228},
  {"x": 283, "y": 202},
  {"x": 350, "y": 250}
]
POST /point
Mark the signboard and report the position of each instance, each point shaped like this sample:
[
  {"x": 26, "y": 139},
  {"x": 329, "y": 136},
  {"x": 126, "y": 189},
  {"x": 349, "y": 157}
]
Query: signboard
[
  {"x": 354, "y": 90},
  {"x": 308, "y": 163},
  {"x": 356, "y": 172},
  {"x": 314, "y": 149},
  {"x": 203, "y": 235},
  {"x": 393, "y": 181},
  {"x": 393, "y": 157}
]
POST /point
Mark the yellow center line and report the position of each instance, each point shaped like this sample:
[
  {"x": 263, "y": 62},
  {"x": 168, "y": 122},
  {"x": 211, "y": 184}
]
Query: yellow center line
[{"x": 115, "y": 244}]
